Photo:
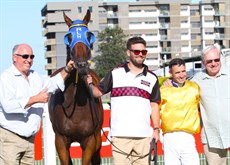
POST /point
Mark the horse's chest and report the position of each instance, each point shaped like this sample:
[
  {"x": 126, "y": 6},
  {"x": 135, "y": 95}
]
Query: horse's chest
[{"x": 83, "y": 120}]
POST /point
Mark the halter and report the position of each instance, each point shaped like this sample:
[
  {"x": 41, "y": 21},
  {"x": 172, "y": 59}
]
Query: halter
[{"x": 79, "y": 31}]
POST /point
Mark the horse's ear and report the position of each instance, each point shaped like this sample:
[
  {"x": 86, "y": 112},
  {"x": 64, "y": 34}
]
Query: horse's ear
[
  {"x": 87, "y": 17},
  {"x": 68, "y": 21}
]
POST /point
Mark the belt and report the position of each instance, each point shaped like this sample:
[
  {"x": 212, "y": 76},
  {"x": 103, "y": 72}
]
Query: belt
[{"x": 23, "y": 137}]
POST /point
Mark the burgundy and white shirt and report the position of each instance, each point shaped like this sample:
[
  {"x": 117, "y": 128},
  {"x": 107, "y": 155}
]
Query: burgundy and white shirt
[{"x": 130, "y": 100}]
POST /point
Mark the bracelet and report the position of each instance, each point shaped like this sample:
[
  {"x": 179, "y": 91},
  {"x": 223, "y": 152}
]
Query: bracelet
[
  {"x": 156, "y": 128},
  {"x": 66, "y": 70}
]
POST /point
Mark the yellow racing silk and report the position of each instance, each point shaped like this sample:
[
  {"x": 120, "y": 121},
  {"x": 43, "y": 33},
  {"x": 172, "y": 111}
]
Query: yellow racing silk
[{"x": 179, "y": 108}]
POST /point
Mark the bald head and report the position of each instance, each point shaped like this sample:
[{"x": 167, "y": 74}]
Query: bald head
[{"x": 22, "y": 49}]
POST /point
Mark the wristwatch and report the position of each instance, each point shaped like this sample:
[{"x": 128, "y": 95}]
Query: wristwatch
[{"x": 156, "y": 128}]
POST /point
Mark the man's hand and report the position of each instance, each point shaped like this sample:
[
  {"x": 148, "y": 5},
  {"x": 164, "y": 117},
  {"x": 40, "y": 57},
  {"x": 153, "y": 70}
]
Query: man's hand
[
  {"x": 67, "y": 69},
  {"x": 42, "y": 97},
  {"x": 70, "y": 66},
  {"x": 168, "y": 82},
  {"x": 89, "y": 79}
]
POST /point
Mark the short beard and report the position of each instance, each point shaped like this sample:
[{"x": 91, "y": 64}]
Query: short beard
[{"x": 136, "y": 64}]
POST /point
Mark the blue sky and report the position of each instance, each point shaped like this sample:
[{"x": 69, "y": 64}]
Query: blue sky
[{"x": 20, "y": 22}]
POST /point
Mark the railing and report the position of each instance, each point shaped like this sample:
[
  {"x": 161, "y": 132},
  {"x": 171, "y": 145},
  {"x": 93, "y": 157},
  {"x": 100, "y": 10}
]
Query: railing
[{"x": 160, "y": 160}]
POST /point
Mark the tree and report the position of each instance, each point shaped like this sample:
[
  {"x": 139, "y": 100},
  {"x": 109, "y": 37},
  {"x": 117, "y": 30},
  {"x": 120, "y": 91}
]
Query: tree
[{"x": 111, "y": 47}]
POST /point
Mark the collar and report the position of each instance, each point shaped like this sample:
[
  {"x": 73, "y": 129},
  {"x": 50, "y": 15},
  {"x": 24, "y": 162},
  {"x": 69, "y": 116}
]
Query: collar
[
  {"x": 145, "y": 71},
  {"x": 177, "y": 85},
  {"x": 16, "y": 72}
]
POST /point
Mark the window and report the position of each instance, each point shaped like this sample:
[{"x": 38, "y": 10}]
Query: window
[
  {"x": 149, "y": 22},
  {"x": 153, "y": 10},
  {"x": 193, "y": 36},
  {"x": 208, "y": 33},
  {"x": 135, "y": 23},
  {"x": 91, "y": 9},
  {"x": 193, "y": 12},
  {"x": 208, "y": 21},
  {"x": 208, "y": 9},
  {"x": 149, "y": 34},
  {"x": 134, "y": 11},
  {"x": 184, "y": 33},
  {"x": 184, "y": 21},
  {"x": 183, "y": 8},
  {"x": 153, "y": 46},
  {"x": 79, "y": 9},
  {"x": 195, "y": 24},
  {"x": 49, "y": 60},
  {"x": 135, "y": 35}
]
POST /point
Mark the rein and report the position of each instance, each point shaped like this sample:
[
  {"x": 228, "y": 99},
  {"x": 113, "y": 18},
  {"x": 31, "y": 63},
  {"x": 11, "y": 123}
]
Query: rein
[{"x": 64, "y": 106}]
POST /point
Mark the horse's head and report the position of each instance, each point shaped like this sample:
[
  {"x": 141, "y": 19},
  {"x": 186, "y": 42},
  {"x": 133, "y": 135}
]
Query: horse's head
[{"x": 79, "y": 41}]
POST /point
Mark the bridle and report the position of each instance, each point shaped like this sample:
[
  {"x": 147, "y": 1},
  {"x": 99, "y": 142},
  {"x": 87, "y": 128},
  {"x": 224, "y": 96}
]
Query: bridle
[{"x": 79, "y": 32}]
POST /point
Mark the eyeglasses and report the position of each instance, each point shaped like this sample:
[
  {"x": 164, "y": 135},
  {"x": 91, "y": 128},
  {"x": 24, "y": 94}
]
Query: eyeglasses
[
  {"x": 213, "y": 60},
  {"x": 137, "y": 52},
  {"x": 26, "y": 56}
]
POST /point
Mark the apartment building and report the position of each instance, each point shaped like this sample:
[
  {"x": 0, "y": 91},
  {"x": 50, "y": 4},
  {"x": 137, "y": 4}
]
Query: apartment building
[{"x": 172, "y": 28}]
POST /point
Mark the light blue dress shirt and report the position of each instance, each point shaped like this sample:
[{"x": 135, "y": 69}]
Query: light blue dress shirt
[
  {"x": 215, "y": 107},
  {"x": 15, "y": 92}
]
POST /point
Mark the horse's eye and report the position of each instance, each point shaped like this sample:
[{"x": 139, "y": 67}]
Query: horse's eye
[{"x": 68, "y": 39}]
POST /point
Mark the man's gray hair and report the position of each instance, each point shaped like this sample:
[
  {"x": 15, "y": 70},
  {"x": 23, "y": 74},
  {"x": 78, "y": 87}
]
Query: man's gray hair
[
  {"x": 210, "y": 47},
  {"x": 15, "y": 48}
]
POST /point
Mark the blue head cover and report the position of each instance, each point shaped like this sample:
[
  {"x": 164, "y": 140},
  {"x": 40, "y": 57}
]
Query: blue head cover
[{"x": 79, "y": 34}]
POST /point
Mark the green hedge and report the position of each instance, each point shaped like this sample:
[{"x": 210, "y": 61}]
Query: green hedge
[{"x": 162, "y": 79}]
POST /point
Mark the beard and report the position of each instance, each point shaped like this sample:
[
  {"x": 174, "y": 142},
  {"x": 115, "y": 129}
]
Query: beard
[{"x": 137, "y": 62}]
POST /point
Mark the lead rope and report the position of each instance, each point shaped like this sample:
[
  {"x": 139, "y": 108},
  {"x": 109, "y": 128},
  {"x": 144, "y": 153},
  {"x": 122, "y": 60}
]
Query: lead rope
[{"x": 152, "y": 145}]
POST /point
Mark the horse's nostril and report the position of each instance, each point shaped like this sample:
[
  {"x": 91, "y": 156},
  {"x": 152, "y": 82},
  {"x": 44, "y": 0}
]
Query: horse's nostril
[{"x": 82, "y": 64}]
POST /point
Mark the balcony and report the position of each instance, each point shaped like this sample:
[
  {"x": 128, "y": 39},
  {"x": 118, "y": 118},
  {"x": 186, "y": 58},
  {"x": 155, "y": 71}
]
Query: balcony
[
  {"x": 164, "y": 13},
  {"x": 44, "y": 21},
  {"x": 165, "y": 50},
  {"x": 164, "y": 25},
  {"x": 44, "y": 32},
  {"x": 112, "y": 15},
  {"x": 50, "y": 42},
  {"x": 163, "y": 37},
  {"x": 218, "y": 36},
  {"x": 218, "y": 13},
  {"x": 218, "y": 24},
  {"x": 50, "y": 54}
]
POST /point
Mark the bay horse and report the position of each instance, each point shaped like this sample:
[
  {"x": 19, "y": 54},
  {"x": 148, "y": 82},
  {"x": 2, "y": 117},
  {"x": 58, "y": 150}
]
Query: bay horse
[{"x": 77, "y": 116}]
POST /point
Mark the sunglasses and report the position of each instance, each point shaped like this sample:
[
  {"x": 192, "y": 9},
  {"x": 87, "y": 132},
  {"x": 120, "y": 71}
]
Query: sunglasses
[
  {"x": 26, "y": 56},
  {"x": 213, "y": 60},
  {"x": 137, "y": 52}
]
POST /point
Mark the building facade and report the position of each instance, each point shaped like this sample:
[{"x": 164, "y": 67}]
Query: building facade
[{"x": 172, "y": 28}]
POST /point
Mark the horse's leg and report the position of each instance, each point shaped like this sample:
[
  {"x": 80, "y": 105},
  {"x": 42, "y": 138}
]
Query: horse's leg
[
  {"x": 62, "y": 147},
  {"x": 91, "y": 152},
  {"x": 96, "y": 159}
]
